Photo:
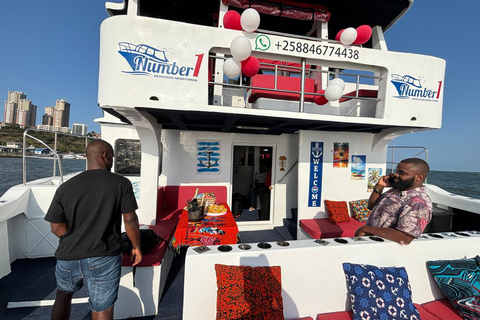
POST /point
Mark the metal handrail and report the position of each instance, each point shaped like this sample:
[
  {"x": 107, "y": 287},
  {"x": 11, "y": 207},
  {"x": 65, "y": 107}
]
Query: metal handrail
[
  {"x": 302, "y": 70},
  {"x": 56, "y": 156}
]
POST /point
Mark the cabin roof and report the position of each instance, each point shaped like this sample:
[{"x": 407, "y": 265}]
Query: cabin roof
[
  {"x": 218, "y": 121},
  {"x": 343, "y": 13}
]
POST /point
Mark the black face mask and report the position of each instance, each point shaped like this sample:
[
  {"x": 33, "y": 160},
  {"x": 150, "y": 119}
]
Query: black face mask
[{"x": 403, "y": 184}]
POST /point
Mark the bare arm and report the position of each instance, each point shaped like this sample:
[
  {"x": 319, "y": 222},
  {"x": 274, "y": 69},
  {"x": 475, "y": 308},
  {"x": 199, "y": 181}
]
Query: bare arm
[
  {"x": 133, "y": 232},
  {"x": 59, "y": 229},
  {"x": 377, "y": 191},
  {"x": 386, "y": 233}
]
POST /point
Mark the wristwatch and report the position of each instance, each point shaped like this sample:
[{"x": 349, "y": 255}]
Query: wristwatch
[{"x": 376, "y": 190}]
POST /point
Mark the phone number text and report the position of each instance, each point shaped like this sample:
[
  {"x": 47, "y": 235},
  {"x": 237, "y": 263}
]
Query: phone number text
[{"x": 318, "y": 49}]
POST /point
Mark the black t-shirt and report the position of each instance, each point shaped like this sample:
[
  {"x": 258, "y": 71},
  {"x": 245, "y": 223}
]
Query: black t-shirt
[{"x": 92, "y": 204}]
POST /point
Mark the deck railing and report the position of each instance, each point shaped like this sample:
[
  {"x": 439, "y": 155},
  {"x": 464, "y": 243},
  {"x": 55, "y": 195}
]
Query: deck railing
[
  {"x": 301, "y": 72},
  {"x": 392, "y": 163},
  {"x": 53, "y": 155}
]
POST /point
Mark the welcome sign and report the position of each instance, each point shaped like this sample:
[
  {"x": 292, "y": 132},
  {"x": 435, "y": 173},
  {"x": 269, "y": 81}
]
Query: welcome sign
[{"x": 316, "y": 165}]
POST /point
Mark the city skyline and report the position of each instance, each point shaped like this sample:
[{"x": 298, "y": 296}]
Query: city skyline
[{"x": 18, "y": 110}]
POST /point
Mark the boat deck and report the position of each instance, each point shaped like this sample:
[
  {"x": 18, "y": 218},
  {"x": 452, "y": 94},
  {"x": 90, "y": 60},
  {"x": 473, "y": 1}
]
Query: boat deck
[{"x": 33, "y": 280}]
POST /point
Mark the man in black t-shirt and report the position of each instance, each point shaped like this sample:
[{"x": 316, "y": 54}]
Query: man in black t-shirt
[{"x": 86, "y": 214}]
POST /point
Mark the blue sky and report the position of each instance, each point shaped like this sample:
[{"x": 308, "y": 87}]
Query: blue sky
[{"x": 49, "y": 50}]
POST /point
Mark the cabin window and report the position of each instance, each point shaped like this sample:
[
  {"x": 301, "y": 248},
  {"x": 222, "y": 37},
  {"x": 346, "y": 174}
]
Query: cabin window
[{"x": 128, "y": 156}]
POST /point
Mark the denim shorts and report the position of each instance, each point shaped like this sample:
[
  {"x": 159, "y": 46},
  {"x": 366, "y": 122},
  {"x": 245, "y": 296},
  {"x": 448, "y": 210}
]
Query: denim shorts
[{"x": 102, "y": 275}]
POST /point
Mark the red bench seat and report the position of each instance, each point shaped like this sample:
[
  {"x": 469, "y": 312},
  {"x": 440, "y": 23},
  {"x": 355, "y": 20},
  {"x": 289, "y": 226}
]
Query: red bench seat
[
  {"x": 435, "y": 310},
  {"x": 323, "y": 228},
  {"x": 170, "y": 203},
  {"x": 283, "y": 83}
]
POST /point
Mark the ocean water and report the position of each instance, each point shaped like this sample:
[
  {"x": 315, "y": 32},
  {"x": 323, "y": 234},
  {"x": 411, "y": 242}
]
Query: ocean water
[
  {"x": 461, "y": 183},
  {"x": 11, "y": 170}
]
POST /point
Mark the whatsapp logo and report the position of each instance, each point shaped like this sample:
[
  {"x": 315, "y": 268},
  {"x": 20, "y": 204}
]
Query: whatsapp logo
[{"x": 262, "y": 42}]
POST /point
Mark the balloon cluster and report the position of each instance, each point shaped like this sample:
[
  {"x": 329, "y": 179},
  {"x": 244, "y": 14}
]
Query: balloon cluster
[
  {"x": 333, "y": 92},
  {"x": 356, "y": 36},
  {"x": 240, "y": 47}
]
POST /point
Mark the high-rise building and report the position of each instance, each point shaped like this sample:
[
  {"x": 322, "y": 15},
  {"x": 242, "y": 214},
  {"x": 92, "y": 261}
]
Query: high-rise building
[
  {"x": 61, "y": 116},
  {"x": 12, "y": 103},
  {"x": 26, "y": 113},
  {"x": 79, "y": 129},
  {"x": 47, "y": 118}
]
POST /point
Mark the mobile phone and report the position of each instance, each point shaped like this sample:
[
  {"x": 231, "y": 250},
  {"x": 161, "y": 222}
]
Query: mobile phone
[{"x": 391, "y": 178}]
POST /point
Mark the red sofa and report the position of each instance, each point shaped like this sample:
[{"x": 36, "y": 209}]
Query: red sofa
[
  {"x": 323, "y": 228},
  {"x": 267, "y": 81},
  {"x": 170, "y": 203},
  {"x": 434, "y": 310}
]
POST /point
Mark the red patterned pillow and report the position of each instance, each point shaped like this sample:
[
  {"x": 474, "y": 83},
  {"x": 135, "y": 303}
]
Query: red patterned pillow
[
  {"x": 249, "y": 292},
  {"x": 337, "y": 211}
]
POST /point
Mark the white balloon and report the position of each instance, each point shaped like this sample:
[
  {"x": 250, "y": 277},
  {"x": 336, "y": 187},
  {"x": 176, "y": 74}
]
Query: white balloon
[
  {"x": 232, "y": 68},
  {"x": 240, "y": 48},
  {"x": 333, "y": 92},
  {"x": 338, "y": 82},
  {"x": 348, "y": 36},
  {"x": 250, "y": 20}
]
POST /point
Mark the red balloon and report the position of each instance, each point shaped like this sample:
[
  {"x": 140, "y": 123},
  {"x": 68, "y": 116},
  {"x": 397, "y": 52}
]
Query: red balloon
[
  {"x": 250, "y": 66},
  {"x": 337, "y": 37},
  {"x": 231, "y": 20},
  {"x": 320, "y": 100},
  {"x": 364, "y": 33}
]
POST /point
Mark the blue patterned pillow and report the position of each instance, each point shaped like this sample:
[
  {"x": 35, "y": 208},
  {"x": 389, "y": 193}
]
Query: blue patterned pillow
[
  {"x": 379, "y": 293},
  {"x": 460, "y": 281}
]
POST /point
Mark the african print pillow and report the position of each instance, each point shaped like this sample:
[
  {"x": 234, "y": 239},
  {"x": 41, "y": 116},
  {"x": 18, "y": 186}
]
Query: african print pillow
[
  {"x": 337, "y": 211},
  {"x": 379, "y": 293},
  {"x": 460, "y": 281},
  {"x": 360, "y": 209},
  {"x": 249, "y": 292}
]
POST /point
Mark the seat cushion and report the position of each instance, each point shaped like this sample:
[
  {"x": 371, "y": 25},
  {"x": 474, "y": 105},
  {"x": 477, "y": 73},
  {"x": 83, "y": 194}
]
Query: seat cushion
[
  {"x": 323, "y": 228},
  {"x": 379, "y": 292},
  {"x": 460, "y": 281},
  {"x": 424, "y": 314},
  {"x": 337, "y": 211},
  {"x": 360, "y": 209},
  {"x": 176, "y": 197},
  {"x": 283, "y": 83},
  {"x": 249, "y": 292},
  {"x": 341, "y": 315},
  {"x": 442, "y": 309}
]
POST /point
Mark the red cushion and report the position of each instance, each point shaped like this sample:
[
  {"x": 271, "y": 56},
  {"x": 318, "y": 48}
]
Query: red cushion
[
  {"x": 424, "y": 314},
  {"x": 176, "y": 197},
  {"x": 341, "y": 315},
  {"x": 152, "y": 258},
  {"x": 304, "y": 318},
  {"x": 323, "y": 228},
  {"x": 249, "y": 292},
  {"x": 442, "y": 309},
  {"x": 337, "y": 211},
  {"x": 283, "y": 83}
]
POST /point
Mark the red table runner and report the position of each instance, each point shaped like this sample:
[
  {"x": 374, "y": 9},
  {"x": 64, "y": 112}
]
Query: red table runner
[{"x": 212, "y": 230}]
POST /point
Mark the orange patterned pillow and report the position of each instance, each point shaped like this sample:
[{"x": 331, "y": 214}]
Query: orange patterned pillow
[
  {"x": 249, "y": 292},
  {"x": 337, "y": 211}
]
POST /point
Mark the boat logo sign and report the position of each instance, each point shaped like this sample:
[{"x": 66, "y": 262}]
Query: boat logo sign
[
  {"x": 150, "y": 61},
  {"x": 409, "y": 87}
]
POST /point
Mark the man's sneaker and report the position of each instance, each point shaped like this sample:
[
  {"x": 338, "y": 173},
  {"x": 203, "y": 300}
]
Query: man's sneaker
[{"x": 251, "y": 209}]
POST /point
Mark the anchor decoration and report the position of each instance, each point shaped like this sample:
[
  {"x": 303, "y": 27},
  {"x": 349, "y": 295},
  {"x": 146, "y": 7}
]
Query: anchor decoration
[
  {"x": 317, "y": 150},
  {"x": 208, "y": 157}
]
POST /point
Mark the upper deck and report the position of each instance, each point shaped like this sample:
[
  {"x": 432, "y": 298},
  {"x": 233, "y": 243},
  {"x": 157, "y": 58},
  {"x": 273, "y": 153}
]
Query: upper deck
[{"x": 169, "y": 63}]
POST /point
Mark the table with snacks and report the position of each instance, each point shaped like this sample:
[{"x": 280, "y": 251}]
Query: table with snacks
[{"x": 217, "y": 227}]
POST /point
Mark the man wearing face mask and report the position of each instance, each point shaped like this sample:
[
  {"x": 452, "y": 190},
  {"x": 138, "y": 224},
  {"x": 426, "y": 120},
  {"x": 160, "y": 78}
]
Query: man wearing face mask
[{"x": 402, "y": 213}]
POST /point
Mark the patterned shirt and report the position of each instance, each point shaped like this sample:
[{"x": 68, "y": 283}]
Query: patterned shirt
[{"x": 407, "y": 211}]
